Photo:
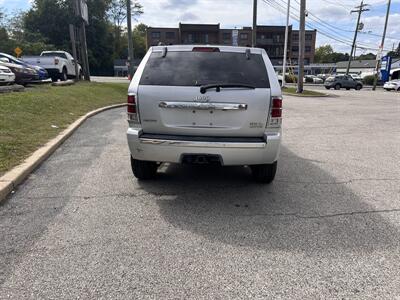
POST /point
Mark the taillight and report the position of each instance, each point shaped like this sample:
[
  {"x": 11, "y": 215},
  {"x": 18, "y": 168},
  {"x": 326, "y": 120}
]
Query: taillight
[
  {"x": 275, "y": 118},
  {"x": 131, "y": 104},
  {"x": 132, "y": 109}
]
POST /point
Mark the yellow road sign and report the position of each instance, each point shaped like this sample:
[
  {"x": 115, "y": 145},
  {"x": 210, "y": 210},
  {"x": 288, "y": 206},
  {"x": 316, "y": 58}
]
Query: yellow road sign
[{"x": 18, "y": 51}]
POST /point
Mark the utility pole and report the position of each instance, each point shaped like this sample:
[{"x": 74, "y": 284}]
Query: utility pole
[
  {"x": 360, "y": 9},
  {"x": 82, "y": 18},
  {"x": 130, "y": 42},
  {"x": 72, "y": 36},
  {"x": 254, "y": 35},
  {"x": 85, "y": 52},
  {"x": 378, "y": 59},
  {"x": 302, "y": 41},
  {"x": 286, "y": 44}
]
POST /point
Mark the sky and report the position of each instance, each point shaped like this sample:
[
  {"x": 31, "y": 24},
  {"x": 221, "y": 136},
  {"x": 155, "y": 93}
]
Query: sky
[{"x": 329, "y": 17}]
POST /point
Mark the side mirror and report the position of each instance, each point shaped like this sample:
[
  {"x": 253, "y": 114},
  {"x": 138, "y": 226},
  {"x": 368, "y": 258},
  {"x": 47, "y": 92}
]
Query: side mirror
[{"x": 4, "y": 59}]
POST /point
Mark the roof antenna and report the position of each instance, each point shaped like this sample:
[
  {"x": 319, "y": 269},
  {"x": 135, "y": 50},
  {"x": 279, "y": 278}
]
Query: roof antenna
[
  {"x": 164, "y": 52},
  {"x": 248, "y": 53}
]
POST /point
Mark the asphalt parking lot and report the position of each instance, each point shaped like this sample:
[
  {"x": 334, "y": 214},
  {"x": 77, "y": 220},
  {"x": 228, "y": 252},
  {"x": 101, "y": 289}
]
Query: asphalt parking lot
[{"x": 328, "y": 227}]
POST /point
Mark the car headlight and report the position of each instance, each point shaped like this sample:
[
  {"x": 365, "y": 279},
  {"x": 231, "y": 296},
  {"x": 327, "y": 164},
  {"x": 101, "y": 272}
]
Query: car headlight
[{"x": 18, "y": 70}]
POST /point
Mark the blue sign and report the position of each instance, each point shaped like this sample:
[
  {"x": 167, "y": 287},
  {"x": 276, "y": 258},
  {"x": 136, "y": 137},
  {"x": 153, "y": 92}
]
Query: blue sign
[{"x": 386, "y": 63}]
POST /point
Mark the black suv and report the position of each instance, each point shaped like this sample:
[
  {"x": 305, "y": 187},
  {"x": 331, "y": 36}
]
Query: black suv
[{"x": 342, "y": 81}]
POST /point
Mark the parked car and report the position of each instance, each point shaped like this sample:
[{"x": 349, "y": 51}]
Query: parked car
[
  {"x": 6, "y": 75},
  {"x": 393, "y": 85},
  {"x": 323, "y": 76},
  {"x": 342, "y": 81},
  {"x": 59, "y": 64},
  {"x": 313, "y": 79},
  {"x": 41, "y": 71},
  {"x": 356, "y": 76},
  {"x": 23, "y": 75},
  {"x": 205, "y": 105}
]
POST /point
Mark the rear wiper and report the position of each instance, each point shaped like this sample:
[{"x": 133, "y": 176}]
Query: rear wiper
[{"x": 218, "y": 86}]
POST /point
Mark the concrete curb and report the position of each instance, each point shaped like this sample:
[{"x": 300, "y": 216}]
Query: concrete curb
[
  {"x": 10, "y": 180},
  {"x": 309, "y": 96},
  {"x": 63, "y": 83}
]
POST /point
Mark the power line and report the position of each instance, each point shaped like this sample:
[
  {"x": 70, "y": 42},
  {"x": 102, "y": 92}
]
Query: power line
[
  {"x": 341, "y": 29},
  {"x": 281, "y": 9},
  {"x": 337, "y": 34}
]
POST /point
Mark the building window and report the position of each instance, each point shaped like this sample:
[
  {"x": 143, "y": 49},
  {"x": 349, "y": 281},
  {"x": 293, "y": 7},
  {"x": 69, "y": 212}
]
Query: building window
[
  {"x": 244, "y": 36},
  {"x": 170, "y": 35},
  {"x": 308, "y": 48},
  {"x": 295, "y": 37},
  {"x": 308, "y": 37},
  {"x": 156, "y": 35},
  {"x": 278, "y": 38},
  {"x": 206, "y": 38},
  {"x": 190, "y": 38},
  {"x": 295, "y": 49},
  {"x": 226, "y": 36}
]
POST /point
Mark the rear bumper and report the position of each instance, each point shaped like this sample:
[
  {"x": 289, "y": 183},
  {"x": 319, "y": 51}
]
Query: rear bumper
[{"x": 235, "y": 152}]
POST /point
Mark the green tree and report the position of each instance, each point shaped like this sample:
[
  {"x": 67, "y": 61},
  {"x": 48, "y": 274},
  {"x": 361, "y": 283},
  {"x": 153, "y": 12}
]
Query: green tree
[
  {"x": 323, "y": 54},
  {"x": 366, "y": 56},
  {"x": 117, "y": 14},
  {"x": 139, "y": 40}
]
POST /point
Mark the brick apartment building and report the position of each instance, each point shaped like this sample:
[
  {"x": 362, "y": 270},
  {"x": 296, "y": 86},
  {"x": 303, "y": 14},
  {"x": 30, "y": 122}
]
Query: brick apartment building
[{"x": 271, "y": 38}]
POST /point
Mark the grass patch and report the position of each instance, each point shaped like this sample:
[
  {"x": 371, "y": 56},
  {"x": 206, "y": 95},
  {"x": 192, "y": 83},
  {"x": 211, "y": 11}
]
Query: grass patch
[
  {"x": 292, "y": 91},
  {"x": 26, "y": 118}
]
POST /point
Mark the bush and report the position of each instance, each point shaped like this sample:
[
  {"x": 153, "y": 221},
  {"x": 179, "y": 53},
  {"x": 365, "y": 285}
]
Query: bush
[
  {"x": 309, "y": 80},
  {"x": 290, "y": 79},
  {"x": 369, "y": 79}
]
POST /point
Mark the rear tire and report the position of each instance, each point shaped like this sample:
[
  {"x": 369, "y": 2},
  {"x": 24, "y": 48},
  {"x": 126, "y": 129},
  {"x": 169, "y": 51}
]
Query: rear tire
[
  {"x": 348, "y": 89},
  {"x": 143, "y": 170},
  {"x": 327, "y": 87},
  {"x": 64, "y": 75},
  {"x": 264, "y": 173},
  {"x": 337, "y": 87},
  {"x": 358, "y": 87}
]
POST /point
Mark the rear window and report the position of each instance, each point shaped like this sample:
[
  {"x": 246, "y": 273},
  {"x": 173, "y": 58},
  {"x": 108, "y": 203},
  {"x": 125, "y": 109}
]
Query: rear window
[
  {"x": 198, "y": 68},
  {"x": 53, "y": 54}
]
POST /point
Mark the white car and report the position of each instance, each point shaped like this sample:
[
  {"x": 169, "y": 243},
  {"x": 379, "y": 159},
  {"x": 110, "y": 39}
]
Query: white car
[
  {"x": 205, "y": 105},
  {"x": 393, "y": 85},
  {"x": 314, "y": 78},
  {"x": 58, "y": 64},
  {"x": 356, "y": 77},
  {"x": 6, "y": 75}
]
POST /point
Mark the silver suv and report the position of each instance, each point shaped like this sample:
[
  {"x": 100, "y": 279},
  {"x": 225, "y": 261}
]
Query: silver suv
[{"x": 205, "y": 105}]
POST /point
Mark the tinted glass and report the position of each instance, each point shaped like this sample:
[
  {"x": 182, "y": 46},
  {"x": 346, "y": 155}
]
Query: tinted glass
[
  {"x": 198, "y": 68},
  {"x": 52, "y": 54}
]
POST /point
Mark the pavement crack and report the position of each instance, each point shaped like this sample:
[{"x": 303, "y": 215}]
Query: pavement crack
[
  {"x": 337, "y": 182},
  {"x": 301, "y": 216}
]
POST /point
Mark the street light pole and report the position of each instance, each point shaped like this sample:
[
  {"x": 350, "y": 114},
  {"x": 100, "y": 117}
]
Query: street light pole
[
  {"x": 286, "y": 44},
  {"x": 302, "y": 40},
  {"x": 254, "y": 35},
  {"x": 130, "y": 41}
]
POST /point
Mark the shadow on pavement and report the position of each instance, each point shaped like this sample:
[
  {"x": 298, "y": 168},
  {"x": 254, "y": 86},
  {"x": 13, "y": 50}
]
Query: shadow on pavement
[{"x": 305, "y": 209}]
